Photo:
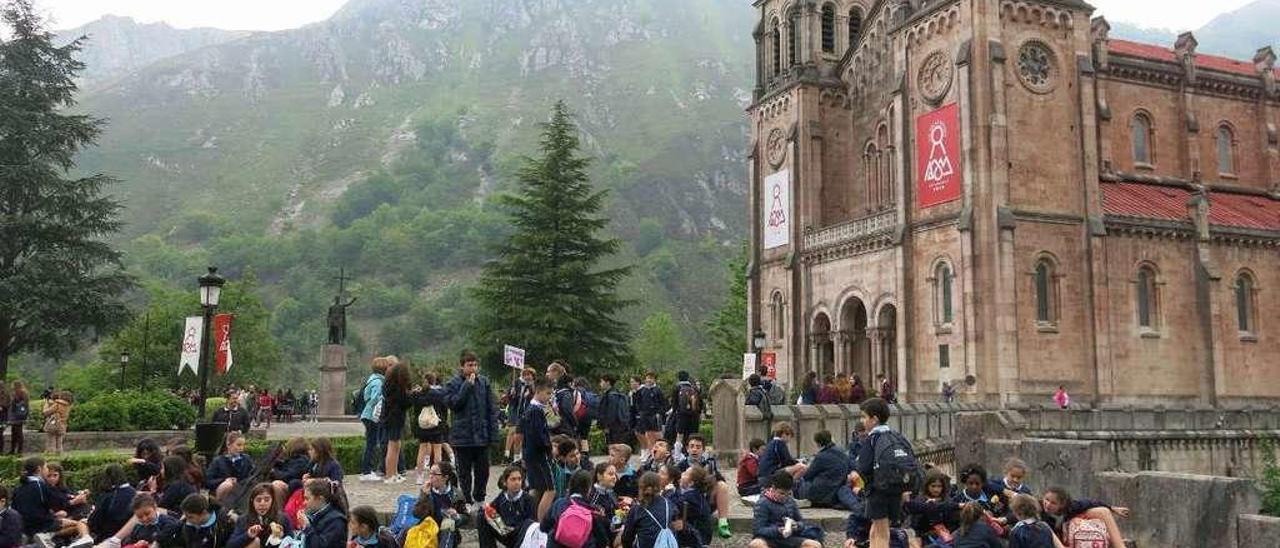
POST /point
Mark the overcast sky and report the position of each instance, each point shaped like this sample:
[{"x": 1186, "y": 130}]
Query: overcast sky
[{"x": 284, "y": 14}]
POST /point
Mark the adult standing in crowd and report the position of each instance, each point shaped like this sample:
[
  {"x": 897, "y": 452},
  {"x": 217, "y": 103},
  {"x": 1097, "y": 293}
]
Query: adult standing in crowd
[
  {"x": 809, "y": 389},
  {"x": 19, "y": 409},
  {"x": 395, "y": 402},
  {"x": 475, "y": 426},
  {"x": 371, "y": 396},
  {"x": 57, "y": 410},
  {"x": 4, "y": 409},
  {"x": 232, "y": 415}
]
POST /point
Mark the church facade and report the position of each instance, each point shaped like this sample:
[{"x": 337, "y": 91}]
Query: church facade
[{"x": 1000, "y": 195}]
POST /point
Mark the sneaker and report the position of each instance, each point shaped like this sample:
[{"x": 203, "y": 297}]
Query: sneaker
[
  {"x": 371, "y": 476},
  {"x": 723, "y": 528},
  {"x": 394, "y": 479}
]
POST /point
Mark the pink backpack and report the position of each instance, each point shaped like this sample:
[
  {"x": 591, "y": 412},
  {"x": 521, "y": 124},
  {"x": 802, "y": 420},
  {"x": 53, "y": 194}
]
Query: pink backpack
[
  {"x": 574, "y": 527},
  {"x": 1087, "y": 533}
]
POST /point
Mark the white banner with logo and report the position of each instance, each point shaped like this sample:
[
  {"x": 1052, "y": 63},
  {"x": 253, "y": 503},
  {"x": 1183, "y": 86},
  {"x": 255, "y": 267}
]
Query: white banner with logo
[
  {"x": 777, "y": 209},
  {"x": 192, "y": 336}
]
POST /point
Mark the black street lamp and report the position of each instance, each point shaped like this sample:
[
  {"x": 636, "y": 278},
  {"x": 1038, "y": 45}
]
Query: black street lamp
[
  {"x": 210, "y": 290},
  {"x": 124, "y": 362}
]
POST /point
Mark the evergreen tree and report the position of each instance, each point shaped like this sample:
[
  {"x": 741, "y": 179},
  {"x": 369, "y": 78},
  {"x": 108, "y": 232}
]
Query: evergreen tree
[
  {"x": 58, "y": 280},
  {"x": 727, "y": 329},
  {"x": 546, "y": 291}
]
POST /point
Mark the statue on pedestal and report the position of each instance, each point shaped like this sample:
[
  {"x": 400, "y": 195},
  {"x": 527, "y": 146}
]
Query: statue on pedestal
[{"x": 338, "y": 313}]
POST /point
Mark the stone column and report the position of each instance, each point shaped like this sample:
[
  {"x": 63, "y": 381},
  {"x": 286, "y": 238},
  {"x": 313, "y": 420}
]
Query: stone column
[
  {"x": 333, "y": 380},
  {"x": 842, "y": 349},
  {"x": 875, "y": 339}
]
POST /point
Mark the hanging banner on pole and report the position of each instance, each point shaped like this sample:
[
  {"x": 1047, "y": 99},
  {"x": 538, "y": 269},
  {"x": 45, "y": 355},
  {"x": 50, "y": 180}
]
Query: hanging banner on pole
[
  {"x": 512, "y": 357},
  {"x": 192, "y": 336},
  {"x": 748, "y": 365},
  {"x": 222, "y": 342},
  {"x": 777, "y": 209},
  {"x": 938, "y": 174},
  {"x": 770, "y": 362}
]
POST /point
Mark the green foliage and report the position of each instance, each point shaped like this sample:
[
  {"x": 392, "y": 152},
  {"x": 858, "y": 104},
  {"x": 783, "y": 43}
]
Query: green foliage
[
  {"x": 132, "y": 410},
  {"x": 80, "y": 470},
  {"x": 58, "y": 279},
  {"x": 660, "y": 345},
  {"x": 1270, "y": 480},
  {"x": 547, "y": 291},
  {"x": 727, "y": 329}
]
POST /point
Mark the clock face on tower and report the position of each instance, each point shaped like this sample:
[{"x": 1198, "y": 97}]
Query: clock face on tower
[
  {"x": 935, "y": 76},
  {"x": 775, "y": 147}
]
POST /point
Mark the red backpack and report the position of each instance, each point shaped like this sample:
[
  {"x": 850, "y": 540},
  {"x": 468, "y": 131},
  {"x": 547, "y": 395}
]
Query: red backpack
[{"x": 1087, "y": 533}]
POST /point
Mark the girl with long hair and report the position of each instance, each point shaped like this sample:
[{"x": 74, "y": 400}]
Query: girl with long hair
[
  {"x": 395, "y": 401},
  {"x": 431, "y": 439},
  {"x": 650, "y": 513},
  {"x": 974, "y": 531},
  {"x": 228, "y": 469},
  {"x": 262, "y": 520},
  {"x": 174, "y": 483},
  {"x": 19, "y": 409}
]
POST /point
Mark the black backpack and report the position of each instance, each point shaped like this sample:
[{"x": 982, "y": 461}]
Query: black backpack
[
  {"x": 357, "y": 400},
  {"x": 766, "y": 408},
  {"x": 895, "y": 468},
  {"x": 620, "y": 409}
]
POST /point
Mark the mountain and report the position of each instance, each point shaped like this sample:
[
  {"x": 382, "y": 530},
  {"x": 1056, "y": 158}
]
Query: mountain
[
  {"x": 374, "y": 141},
  {"x": 119, "y": 45},
  {"x": 1236, "y": 34}
]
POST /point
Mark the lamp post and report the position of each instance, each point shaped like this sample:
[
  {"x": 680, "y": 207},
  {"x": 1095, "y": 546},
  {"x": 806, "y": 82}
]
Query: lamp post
[
  {"x": 124, "y": 362},
  {"x": 758, "y": 341},
  {"x": 210, "y": 290}
]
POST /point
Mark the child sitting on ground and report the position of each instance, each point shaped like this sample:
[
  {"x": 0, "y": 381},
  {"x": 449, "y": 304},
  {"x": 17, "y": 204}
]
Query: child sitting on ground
[
  {"x": 718, "y": 495},
  {"x": 229, "y": 470},
  {"x": 777, "y": 455},
  {"x": 650, "y": 514},
  {"x": 749, "y": 469},
  {"x": 37, "y": 502},
  {"x": 114, "y": 506},
  {"x": 694, "y": 508},
  {"x": 975, "y": 531},
  {"x": 506, "y": 518},
  {"x": 659, "y": 456},
  {"x": 776, "y": 521},
  {"x": 1060, "y": 509},
  {"x": 147, "y": 524},
  {"x": 604, "y": 497},
  {"x": 1029, "y": 531},
  {"x": 628, "y": 477},
  {"x": 10, "y": 522},
  {"x": 366, "y": 532},
  {"x": 262, "y": 522},
  {"x": 204, "y": 525},
  {"x": 935, "y": 517}
]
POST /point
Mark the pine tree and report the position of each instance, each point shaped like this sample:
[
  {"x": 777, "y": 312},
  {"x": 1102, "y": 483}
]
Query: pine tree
[
  {"x": 546, "y": 291},
  {"x": 58, "y": 280}
]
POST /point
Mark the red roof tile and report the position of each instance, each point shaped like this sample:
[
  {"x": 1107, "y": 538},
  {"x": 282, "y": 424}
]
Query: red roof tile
[
  {"x": 1161, "y": 53},
  {"x": 1170, "y": 204}
]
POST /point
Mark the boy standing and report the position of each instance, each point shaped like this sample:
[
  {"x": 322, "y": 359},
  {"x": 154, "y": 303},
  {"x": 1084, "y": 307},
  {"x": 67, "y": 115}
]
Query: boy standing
[
  {"x": 536, "y": 449},
  {"x": 885, "y": 466}
]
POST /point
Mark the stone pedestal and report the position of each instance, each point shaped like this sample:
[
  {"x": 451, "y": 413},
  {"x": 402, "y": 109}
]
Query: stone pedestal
[{"x": 333, "y": 380}]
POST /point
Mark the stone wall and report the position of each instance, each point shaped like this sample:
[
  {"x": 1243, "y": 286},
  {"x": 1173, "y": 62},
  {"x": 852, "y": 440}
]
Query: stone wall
[
  {"x": 1147, "y": 418},
  {"x": 34, "y": 442},
  {"x": 1187, "y": 511}
]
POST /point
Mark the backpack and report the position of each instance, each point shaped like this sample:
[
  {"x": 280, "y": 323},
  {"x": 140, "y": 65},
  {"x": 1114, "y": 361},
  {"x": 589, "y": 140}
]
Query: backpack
[
  {"x": 573, "y": 529},
  {"x": 687, "y": 400},
  {"x": 665, "y": 538},
  {"x": 579, "y": 406},
  {"x": 776, "y": 396},
  {"x": 404, "y": 518},
  {"x": 357, "y": 399},
  {"x": 621, "y": 411},
  {"x": 766, "y": 408},
  {"x": 1087, "y": 533},
  {"x": 423, "y": 535},
  {"x": 895, "y": 466},
  {"x": 20, "y": 410},
  {"x": 428, "y": 418}
]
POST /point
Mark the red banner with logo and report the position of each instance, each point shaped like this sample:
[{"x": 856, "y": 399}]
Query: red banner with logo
[
  {"x": 770, "y": 361},
  {"x": 222, "y": 342},
  {"x": 939, "y": 178}
]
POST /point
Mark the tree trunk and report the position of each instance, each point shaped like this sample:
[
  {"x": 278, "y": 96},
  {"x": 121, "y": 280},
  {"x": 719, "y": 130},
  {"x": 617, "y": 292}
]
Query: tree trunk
[{"x": 5, "y": 343}]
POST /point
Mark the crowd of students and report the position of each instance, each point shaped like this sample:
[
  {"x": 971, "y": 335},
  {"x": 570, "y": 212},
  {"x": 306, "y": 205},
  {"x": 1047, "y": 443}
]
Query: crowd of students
[
  {"x": 887, "y": 491},
  {"x": 172, "y": 499}
]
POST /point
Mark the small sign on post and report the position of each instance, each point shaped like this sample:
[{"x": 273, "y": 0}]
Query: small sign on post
[
  {"x": 748, "y": 365},
  {"x": 512, "y": 357}
]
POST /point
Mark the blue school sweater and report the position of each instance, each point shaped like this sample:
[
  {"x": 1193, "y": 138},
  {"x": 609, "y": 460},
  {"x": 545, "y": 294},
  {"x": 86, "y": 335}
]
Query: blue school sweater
[
  {"x": 640, "y": 530},
  {"x": 1031, "y": 533}
]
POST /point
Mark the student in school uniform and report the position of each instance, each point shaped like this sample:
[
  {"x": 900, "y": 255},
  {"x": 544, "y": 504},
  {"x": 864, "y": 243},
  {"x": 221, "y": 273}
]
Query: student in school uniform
[{"x": 506, "y": 517}]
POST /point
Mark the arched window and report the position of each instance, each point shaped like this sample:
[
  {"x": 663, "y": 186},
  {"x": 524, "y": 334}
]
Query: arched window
[
  {"x": 1245, "y": 318},
  {"x": 776, "y": 48},
  {"x": 944, "y": 280},
  {"x": 1046, "y": 291},
  {"x": 855, "y": 26},
  {"x": 1226, "y": 150},
  {"x": 793, "y": 29},
  {"x": 1142, "y": 140},
  {"x": 1148, "y": 298},
  {"x": 871, "y": 170},
  {"x": 828, "y": 28}
]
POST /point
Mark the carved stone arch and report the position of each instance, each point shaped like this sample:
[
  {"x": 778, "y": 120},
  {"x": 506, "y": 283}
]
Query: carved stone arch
[
  {"x": 1022, "y": 14},
  {"x": 882, "y": 300},
  {"x": 845, "y": 297}
]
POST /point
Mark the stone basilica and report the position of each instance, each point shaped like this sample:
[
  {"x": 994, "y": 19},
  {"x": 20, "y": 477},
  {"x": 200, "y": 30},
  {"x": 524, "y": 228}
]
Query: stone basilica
[{"x": 998, "y": 194}]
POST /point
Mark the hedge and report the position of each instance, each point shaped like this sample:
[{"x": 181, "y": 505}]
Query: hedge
[{"x": 119, "y": 411}]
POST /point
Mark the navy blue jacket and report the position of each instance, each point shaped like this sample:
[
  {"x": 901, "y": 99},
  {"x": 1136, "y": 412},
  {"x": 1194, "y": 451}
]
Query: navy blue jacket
[
  {"x": 707, "y": 461},
  {"x": 611, "y": 418},
  {"x": 475, "y": 412},
  {"x": 331, "y": 470},
  {"x": 515, "y": 512},
  {"x": 223, "y": 467},
  {"x": 1031, "y": 534},
  {"x": 776, "y": 456},
  {"x": 290, "y": 469},
  {"x": 326, "y": 529},
  {"x": 696, "y": 512},
  {"x": 828, "y": 471},
  {"x": 650, "y": 402},
  {"x": 240, "y": 537},
  {"x": 599, "y": 527},
  {"x": 164, "y": 525},
  {"x": 537, "y": 439},
  {"x": 865, "y": 463},
  {"x": 607, "y": 502},
  {"x": 767, "y": 519},
  {"x": 641, "y": 531},
  {"x": 10, "y": 528},
  {"x": 190, "y": 536},
  {"x": 564, "y": 398},
  {"x": 111, "y": 511},
  {"x": 980, "y": 535},
  {"x": 927, "y": 514},
  {"x": 37, "y": 502},
  {"x": 174, "y": 492}
]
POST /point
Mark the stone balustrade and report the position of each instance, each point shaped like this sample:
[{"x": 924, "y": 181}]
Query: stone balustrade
[
  {"x": 1147, "y": 418},
  {"x": 856, "y": 229}
]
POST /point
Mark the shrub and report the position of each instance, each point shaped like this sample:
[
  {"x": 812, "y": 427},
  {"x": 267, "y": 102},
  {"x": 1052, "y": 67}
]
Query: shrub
[
  {"x": 132, "y": 410},
  {"x": 1270, "y": 480}
]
